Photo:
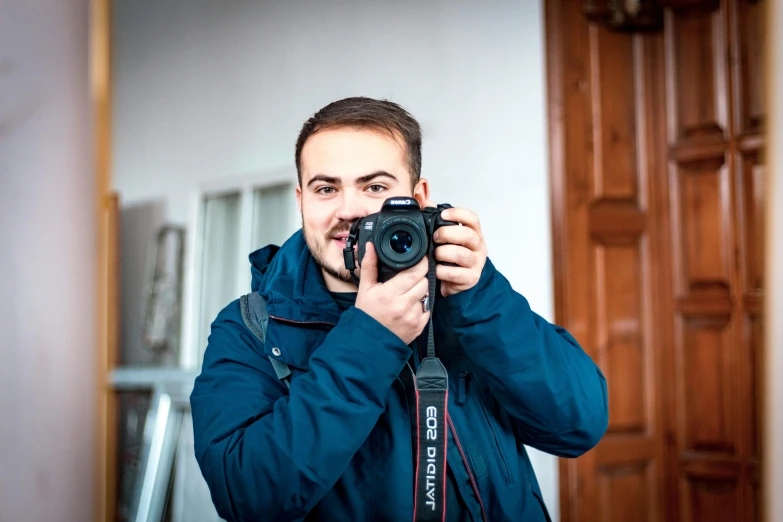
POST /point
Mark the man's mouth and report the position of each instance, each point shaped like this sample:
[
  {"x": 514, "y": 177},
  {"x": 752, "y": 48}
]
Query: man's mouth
[{"x": 340, "y": 239}]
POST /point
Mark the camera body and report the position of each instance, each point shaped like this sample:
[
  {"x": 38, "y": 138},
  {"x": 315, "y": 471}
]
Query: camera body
[{"x": 401, "y": 233}]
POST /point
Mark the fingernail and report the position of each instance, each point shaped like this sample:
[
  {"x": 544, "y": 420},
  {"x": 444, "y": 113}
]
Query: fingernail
[{"x": 435, "y": 236}]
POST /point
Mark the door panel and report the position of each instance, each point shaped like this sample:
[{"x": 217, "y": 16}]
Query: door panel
[
  {"x": 694, "y": 39},
  {"x": 658, "y": 200}
]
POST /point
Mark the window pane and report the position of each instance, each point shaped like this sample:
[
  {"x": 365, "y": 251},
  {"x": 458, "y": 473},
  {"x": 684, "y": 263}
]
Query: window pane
[
  {"x": 219, "y": 259},
  {"x": 275, "y": 215}
]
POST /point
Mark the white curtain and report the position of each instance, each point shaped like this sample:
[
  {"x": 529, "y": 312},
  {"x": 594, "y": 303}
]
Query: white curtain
[{"x": 219, "y": 253}]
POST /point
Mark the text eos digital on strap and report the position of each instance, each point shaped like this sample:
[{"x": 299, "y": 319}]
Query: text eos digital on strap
[{"x": 432, "y": 390}]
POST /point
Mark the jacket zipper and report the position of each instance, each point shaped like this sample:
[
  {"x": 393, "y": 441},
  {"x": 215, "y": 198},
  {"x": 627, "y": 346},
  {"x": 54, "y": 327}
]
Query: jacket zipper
[
  {"x": 467, "y": 466},
  {"x": 498, "y": 445},
  {"x": 292, "y": 321},
  {"x": 462, "y": 387}
]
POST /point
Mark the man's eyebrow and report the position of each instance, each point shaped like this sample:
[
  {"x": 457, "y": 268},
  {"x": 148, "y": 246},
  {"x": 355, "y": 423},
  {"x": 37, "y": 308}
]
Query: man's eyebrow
[
  {"x": 378, "y": 174},
  {"x": 326, "y": 179},
  {"x": 334, "y": 180}
]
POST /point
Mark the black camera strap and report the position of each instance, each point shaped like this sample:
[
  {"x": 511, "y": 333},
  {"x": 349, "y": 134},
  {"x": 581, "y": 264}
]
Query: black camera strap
[
  {"x": 432, "y": 385},
  {"x": 348, "y": 255}
]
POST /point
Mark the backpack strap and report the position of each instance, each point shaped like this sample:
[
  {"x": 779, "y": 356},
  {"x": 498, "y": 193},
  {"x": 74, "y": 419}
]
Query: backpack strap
[{"x": 256, "y": 317}]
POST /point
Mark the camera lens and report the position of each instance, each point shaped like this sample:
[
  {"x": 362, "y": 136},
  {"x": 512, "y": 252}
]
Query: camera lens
[{"x": 401, "y": 242}]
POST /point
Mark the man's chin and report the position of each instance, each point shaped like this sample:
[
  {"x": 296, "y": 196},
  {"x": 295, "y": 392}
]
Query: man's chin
[
  {"x": 336, "y": 268},
  {"x": 329, "y": 257},
  {"x": 339, "y": 273}
]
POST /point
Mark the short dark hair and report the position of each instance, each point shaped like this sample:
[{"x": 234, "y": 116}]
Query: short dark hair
[{"x": 367, "y": 113}]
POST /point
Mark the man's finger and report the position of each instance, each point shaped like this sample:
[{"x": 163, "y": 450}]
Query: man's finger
[
  {"x": 408, "y": 278},
  {"x": 459, "y": 255},
  {"x": 368, "y": 273},
  {"x": 464, "y": 236},
  {"x": 420, "y": 269},
  {"x": 464, "y": 216},
  {"x": 456, "y": 275},
  {"x": 418, "y": 291}
]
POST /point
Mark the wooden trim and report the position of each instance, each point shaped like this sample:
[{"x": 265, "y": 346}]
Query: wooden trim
[
  {"x": 106, "y": 298},
  {"x": 772, "y": 416},
  {"x": 557, "y": 177}
]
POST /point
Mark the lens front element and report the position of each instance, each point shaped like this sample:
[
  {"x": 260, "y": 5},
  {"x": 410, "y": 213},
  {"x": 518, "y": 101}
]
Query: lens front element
[{"x": 401, "y": 242}]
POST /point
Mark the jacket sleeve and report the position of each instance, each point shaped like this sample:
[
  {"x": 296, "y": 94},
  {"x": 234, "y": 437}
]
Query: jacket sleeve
[
  {"x": 537, "y": 372},
  {"x": 271, "y": 455}
]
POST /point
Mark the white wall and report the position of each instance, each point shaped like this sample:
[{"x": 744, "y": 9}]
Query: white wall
[
  {"x": 47, "y": 263},
  {"x": 207, "y": 89}
]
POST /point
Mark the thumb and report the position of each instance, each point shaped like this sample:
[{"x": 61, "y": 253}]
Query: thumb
[{"x": 369, "y": 268}]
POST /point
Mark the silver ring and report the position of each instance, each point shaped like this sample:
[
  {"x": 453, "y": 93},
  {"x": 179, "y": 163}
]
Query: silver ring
[{"x": 424, "y": 302}]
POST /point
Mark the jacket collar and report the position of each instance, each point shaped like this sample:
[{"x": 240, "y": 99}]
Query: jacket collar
[{"x": 292, "y": 283}]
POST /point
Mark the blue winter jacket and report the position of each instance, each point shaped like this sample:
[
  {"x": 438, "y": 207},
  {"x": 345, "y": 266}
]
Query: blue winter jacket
[{"x": 338, "y": 444}]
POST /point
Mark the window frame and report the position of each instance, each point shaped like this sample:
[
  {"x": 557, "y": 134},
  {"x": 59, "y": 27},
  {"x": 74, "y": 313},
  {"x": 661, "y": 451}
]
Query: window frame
[{"x": 247, "y": 186}]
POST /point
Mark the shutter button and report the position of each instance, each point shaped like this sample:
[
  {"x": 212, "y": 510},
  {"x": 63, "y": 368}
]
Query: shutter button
[{"x": 276, "y": 351}]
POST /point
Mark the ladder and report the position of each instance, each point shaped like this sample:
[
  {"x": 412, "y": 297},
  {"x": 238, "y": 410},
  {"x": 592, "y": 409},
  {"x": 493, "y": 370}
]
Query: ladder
[{"x": 171, "y": 388}]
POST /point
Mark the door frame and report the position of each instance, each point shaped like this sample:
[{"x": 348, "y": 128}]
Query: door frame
[{"x": 106, "y": 274}]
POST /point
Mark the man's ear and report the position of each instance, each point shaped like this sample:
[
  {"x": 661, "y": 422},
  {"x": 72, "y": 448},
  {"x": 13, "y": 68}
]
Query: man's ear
[
  {"x": 421, "y": 192},
  {"x": 299, "y": 197}
]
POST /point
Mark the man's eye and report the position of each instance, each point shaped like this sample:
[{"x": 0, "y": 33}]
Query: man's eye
[
  {"x": 376, "y": 188},
  {"x": 325, "y": 190}
]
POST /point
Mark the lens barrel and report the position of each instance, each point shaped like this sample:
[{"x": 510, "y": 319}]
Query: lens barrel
[{"x": 401, "y": 244}]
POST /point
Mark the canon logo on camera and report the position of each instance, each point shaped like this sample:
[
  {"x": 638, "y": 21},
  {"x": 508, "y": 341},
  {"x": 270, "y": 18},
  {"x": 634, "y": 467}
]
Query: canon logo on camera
[{"x": 400, "y": 202}]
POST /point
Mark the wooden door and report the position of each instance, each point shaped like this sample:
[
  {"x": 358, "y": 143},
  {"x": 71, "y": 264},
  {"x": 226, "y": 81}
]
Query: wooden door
[{"x": 656, "y": 160}]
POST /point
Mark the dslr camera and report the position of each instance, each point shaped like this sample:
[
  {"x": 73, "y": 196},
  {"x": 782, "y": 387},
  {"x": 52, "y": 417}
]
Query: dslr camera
[{"x": 401, "y": 232}]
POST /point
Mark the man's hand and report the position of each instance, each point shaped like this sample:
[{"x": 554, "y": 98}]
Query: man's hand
[
  {"x": 464, "y": 246},
  {"x": 396, "y": 303}
]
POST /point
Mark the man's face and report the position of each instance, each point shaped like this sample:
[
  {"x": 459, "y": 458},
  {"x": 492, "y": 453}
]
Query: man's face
[{"x": 347, "y": 173}]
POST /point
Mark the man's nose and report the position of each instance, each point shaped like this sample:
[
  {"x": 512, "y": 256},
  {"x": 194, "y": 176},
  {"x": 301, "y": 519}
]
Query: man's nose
[{"x": 351, "y": 207}]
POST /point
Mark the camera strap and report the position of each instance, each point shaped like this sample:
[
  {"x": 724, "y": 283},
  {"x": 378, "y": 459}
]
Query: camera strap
[
  {"x": 348, "y": 255},
  {"x": 432, "y": 385}
]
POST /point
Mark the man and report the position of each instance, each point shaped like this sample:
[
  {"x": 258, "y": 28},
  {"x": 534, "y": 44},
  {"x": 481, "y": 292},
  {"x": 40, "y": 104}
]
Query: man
[{"x": 339, "y": 443}]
